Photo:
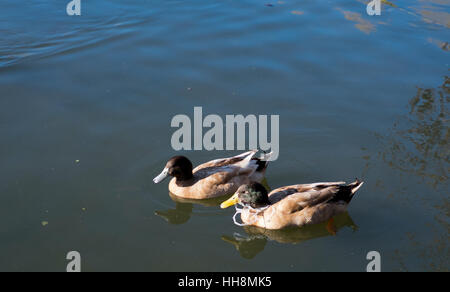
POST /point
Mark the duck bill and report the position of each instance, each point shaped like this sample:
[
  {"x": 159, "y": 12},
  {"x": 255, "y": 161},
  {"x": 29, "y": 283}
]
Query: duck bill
[
  {"x": 230, "y": 202},
  {"x": 161, "y": 176}
]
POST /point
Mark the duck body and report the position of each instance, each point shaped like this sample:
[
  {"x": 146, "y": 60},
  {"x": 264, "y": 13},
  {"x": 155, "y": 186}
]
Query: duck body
[
  {"x": 215, "y": 178},
  {"x": 296, "y": 205}
]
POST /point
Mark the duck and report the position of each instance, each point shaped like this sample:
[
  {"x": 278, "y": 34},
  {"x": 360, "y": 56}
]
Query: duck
[
  {"x": 213, "y": 179},
  {"x": 250, "y": 244},
  {"x": 295, "y": 205}
]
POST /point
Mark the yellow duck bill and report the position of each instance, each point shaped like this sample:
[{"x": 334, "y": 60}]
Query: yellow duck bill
[{"x": 230, "y": 202}]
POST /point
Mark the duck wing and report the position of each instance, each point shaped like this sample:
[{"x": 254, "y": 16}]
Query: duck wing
[
  {"x": 297, "y": 197},
  {"x": 281, "y": 193},
  {"x": 244, "y": 161}
]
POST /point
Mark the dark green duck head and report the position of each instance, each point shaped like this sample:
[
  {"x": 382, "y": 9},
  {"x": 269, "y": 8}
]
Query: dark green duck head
[{"x": 253, "y": 195}]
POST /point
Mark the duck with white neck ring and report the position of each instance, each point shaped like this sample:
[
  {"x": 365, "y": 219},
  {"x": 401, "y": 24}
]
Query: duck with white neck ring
[{"x": 296, "y": 205}]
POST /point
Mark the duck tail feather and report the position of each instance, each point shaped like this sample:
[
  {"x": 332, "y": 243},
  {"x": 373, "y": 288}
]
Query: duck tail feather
[
  {"x": 263, "y": 160},
  {"x": 248, "y": 160},
  {"x": 345, "y": 193},
  {"x": 266, "y": 156},
  {"x": 245, "y": 155},
  {"x": 250, "y": 155},
  {"x": 355, "y": 186}
]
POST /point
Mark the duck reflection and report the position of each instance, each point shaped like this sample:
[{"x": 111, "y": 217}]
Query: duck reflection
[
  {"x": 256, "y": 238},
  {"x": 184, "y": 208}
]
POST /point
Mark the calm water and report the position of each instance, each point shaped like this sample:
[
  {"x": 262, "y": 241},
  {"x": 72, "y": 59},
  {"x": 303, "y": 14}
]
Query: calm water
[{"x": 85, "y": 111}]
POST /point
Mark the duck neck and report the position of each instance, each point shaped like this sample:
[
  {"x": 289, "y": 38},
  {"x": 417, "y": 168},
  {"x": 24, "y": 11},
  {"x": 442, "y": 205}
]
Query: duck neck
[
  {"x": 187, "y": 176},
  {"x": 260, "y": 202}
]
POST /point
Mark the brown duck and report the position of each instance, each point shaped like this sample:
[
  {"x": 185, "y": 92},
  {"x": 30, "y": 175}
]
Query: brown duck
[
  {"x": 296, "y": 205},
  {"x": 215, "y": 178}
]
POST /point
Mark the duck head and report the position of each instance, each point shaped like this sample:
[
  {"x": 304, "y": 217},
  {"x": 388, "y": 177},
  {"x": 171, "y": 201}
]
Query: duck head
[
  {"x": 179, "y": 167},
  {"x": 253, "y": 195}
]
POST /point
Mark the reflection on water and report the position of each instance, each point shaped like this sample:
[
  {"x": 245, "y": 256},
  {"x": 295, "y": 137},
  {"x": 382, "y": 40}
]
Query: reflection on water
[
  {"x": 180, "y": 215},
  {"x": 248, "y": 247},
  {"x": 445, "y": 46},
  {"x": 184, "y": 208},
  {"x": 360, "y": 23},
  {"x": 255, "y": 241},
  {"x": 419, "y": 144},
  {"x": 434, "y": 16}
]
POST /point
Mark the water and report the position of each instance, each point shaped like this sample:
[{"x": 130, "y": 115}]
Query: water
[{"x": 85, "y": 111}]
